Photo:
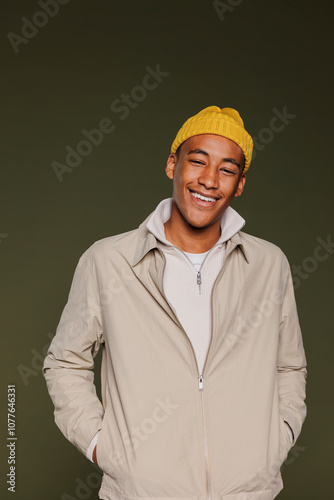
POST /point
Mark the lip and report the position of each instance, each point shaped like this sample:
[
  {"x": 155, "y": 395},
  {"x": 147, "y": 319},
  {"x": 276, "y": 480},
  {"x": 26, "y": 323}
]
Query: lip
[{"x": 202, "y": 203}]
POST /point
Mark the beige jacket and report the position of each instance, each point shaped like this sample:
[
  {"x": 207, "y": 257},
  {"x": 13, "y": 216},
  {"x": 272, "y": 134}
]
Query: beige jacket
[{"x": 168, "y": 432}]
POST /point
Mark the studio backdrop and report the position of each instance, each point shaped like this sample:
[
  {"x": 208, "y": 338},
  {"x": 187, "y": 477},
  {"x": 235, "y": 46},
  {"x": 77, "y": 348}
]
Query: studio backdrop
[{"x": 93, "y": 93}]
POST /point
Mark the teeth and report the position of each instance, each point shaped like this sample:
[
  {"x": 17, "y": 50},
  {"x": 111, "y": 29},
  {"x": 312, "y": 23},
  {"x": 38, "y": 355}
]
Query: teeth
[{"x": 204, "y": 198}]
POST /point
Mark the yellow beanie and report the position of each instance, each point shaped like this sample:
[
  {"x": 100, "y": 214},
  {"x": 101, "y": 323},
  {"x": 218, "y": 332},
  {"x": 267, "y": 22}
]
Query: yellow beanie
[{"x": 212, "y": 120}]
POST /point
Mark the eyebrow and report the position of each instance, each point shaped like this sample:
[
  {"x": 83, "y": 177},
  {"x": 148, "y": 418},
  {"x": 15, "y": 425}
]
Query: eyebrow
[{"x": 202, "y": 152}]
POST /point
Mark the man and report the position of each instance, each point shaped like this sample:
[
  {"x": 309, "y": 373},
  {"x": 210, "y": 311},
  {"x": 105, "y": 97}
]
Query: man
[{"x": 203, "y": 367}]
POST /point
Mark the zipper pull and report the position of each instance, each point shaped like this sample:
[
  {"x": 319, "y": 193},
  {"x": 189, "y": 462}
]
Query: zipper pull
[
  {"x": 200, "y": 384},
  {"x": 199, "y": 281}
]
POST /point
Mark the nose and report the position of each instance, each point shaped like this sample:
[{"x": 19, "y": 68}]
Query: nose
[{"x": 209, "y": 177}]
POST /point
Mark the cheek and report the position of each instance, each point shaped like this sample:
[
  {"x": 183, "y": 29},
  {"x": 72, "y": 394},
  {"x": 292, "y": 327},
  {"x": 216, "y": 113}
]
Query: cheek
[
  {"x": 180, "y": 184},
  {"x": 177, "y": 190},
  {"x": 229, "y": 186}
]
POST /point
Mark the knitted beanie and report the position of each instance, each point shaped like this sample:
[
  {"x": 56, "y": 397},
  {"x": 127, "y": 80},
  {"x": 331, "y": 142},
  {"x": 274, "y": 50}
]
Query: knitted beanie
[{"x": 212, "y": 120}]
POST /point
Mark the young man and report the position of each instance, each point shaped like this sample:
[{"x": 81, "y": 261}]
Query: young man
[{"x": 203, "y": 367}]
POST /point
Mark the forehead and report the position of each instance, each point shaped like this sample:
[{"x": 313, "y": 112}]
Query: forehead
[{"x": 212, "y": 144}]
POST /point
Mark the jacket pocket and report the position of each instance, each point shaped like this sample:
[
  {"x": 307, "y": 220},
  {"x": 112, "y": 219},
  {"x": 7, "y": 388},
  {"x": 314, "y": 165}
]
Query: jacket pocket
[
  {"x": 285, "y": 441},
  {"x": 101, "y": 441}
]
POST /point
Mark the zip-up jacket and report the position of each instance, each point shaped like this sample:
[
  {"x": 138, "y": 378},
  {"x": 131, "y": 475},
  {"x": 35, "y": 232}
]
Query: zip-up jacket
[{"x": 167, "y": 431}]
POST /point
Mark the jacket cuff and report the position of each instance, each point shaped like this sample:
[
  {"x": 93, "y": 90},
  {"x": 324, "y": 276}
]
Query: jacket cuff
[
  {"x": 82, "y": 437},
  {"x": 90, "y": 449},
  {"x": 293, "y": 424}
]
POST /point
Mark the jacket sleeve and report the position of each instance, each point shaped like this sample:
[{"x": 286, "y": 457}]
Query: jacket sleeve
[
  {"x": 291, "y": 360},
  {"x": 68, "y": 366}
]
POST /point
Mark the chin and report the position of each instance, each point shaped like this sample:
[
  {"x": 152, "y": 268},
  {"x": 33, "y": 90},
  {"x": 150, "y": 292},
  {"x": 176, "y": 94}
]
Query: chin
[{"x": 198, "y": 223}]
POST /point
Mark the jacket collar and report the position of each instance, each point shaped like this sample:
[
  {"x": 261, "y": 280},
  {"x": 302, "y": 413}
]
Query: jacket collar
[
  {"x": 146, "y": 242},
  {"x": 149, "y": 231},
  {"x": 237, "y": 241}
]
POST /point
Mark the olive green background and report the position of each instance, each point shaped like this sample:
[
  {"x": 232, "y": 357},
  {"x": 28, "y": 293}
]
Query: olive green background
[{"x": 261, "y": 56}]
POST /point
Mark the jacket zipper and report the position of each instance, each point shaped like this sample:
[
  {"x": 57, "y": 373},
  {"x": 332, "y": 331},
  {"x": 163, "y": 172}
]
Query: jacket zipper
[
  {"x": 200, "y": 386},
  {"x": 201, "y": 376}
]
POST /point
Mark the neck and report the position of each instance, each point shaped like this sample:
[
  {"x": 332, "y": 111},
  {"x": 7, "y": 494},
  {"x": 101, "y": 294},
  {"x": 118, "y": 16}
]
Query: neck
[{"x": 190, "y": 238}]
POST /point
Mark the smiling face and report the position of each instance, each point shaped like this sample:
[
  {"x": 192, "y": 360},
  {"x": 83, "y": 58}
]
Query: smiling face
[{"x": 207, "y": 175}]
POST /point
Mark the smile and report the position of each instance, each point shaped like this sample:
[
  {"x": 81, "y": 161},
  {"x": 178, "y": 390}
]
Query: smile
[{"x": 204, "y": 198}]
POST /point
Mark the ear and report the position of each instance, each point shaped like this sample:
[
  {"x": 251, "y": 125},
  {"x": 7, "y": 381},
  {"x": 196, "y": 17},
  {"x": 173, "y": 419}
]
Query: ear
[
  {"x": 241, "y": 185},
  {"x": 171, "y": 165}
]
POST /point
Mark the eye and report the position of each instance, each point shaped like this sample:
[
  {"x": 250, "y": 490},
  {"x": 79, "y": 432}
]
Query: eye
[
  {"x": 197, "y": 162},
  {"x": 228, "y": 171}
]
